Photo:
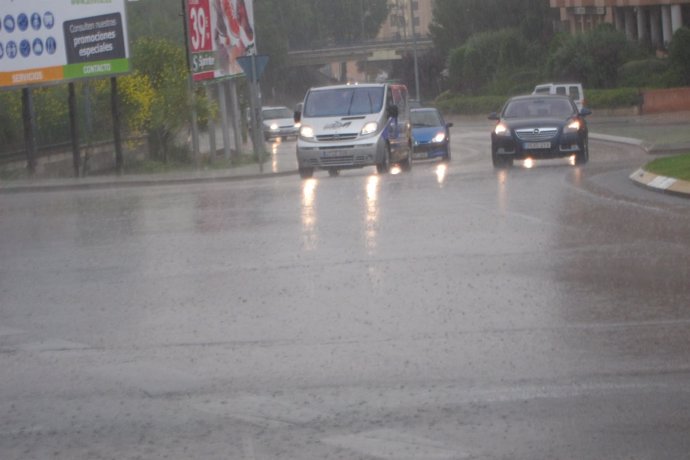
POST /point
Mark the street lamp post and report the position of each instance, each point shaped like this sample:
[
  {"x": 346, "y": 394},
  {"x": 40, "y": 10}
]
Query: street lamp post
[{"x": 414, "y": 51}]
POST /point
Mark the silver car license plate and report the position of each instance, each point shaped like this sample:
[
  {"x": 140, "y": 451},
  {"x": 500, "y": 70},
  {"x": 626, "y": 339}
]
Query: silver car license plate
[
  {"x": 331, "y": 153},
  {"x": 537, "y": 145}
]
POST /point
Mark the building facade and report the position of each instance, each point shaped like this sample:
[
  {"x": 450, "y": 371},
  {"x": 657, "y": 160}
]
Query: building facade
[
  {"x": 403, "y": 15},
  {"x": 648, "y": 21}
]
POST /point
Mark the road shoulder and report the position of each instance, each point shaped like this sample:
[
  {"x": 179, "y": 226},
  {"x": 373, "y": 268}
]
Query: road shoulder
[{"x": 661, "y": 183}]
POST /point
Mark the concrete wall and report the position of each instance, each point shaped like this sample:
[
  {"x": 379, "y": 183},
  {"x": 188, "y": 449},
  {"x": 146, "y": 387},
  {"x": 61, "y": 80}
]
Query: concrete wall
[{"x": 665, "y": 100}]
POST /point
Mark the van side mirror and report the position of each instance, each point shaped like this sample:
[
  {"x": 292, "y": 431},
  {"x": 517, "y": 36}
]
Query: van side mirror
[
  {"x": 494, "y": 116},
  {"x": 392, "y": 111},
  {"x": 297, "y": 116},
  {"x": 585, "y": 111}
]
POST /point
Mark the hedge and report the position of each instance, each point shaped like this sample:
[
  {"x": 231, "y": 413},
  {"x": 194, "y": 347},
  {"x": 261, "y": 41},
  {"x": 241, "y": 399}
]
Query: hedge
[{"x": 454, "y": 103}]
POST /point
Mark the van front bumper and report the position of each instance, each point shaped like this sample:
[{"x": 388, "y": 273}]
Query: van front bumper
[{"x": 325, "y": 155}]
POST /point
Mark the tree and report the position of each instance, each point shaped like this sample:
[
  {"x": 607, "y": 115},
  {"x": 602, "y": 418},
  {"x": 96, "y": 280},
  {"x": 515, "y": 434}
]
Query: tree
[
  {"x": 454, "y": 21},
  {"x": 158, "y": 65},
  {"x": 592, "y": 58},
  {"x": 283, "y": 25},
  {"x": 157, "y": 19},
  {"x": 499, "y": 58},
  {"x": 679, "y": 55}
]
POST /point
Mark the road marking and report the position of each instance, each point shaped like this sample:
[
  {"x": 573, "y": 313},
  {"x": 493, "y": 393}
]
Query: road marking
[{"x": 391, "y": 444}]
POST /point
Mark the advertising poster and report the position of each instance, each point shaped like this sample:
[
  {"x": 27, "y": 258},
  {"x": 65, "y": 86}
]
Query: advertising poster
[
  {"x": 48, "y": 41},
  {"x": 220, "y": 31}
]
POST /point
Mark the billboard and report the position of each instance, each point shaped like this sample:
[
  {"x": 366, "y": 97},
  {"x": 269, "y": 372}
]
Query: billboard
[
  {"x": 220, "y": 31},
  {"x": 49, "y": 41}
]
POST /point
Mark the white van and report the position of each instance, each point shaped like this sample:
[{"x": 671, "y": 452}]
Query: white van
[
  {"x": 574, "y": 90},
  {"x": 352, "y": 126}
]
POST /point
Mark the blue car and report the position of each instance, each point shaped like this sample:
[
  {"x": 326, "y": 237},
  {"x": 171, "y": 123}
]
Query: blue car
[{"x": 430, "y": 134}]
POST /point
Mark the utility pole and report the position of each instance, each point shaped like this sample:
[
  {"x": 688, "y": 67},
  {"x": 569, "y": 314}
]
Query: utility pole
[
  {"x": 190, "y": 84},
  {"x": 414, "y": 52}
]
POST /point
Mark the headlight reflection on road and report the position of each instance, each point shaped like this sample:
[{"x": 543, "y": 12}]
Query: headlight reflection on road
[
  {"x": 372, "y": 216},
  {"x": 396, "y": 170},
  {"x": 274, "y": 156},
  {"x": 309, "y": 214},
  {"x": 441, "y": 173},
  {"x": 502, "y": 178}
]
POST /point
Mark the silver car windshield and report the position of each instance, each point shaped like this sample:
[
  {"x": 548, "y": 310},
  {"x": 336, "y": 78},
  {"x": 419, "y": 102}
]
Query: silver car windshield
[
  {"x": 272, "y": 114},
  {"x": 343, "y": 102}
]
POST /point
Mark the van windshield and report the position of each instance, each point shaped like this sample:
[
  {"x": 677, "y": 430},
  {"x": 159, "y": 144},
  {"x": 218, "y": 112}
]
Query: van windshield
[{"x": 343, "y": 102}]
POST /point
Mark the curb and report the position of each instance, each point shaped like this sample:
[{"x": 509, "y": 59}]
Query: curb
[
  {"x": 647, "y": 179},
  {"x": 661, "y": 183},
  {"x": 133, "y": 181}
]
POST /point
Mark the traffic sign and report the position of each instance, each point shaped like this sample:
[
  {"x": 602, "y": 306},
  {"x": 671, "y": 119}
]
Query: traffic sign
[{"x": 245, "y": 63}]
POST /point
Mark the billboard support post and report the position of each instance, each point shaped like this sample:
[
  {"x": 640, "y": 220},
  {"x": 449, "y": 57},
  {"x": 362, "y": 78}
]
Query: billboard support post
[
  {"x": 258, "y": 134},
  {"x": 74, "y": 128},
  {"x": 190, "y": 84},
  {"x": 236, "y": 122},
  {"x": 29, "y": 131},
  {"x": 224, "y": 117},
  {"x": 212, "y": 149},
  {"x": 115, "y": 107}
]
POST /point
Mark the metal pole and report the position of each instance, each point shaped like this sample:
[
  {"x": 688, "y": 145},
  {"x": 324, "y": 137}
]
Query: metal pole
[
  {"x": 115, "y": 107},
  {"x": 211, "y": 128},
  {"x": 74, "y": 128},
  {"x": 190, "y": 84},
  {"x": 236, "y": 122},
  {"x": 414, "y": 48},
  {"x": 222, "y": 100},
  {"x": 29, "y": 131},
  {"x": 256, "y": 117}
]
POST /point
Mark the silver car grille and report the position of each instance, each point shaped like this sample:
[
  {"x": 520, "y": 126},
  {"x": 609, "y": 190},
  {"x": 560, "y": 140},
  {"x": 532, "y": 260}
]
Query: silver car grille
[
  {"x": 336, "y": 137},
  {"x": 536, "y": 134}
]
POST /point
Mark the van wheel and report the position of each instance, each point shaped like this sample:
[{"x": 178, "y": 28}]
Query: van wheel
[
  {"x": 306, "y": 173},
  {"x": 333, "y": 172},
  {"x": 406, "y": 165},
  {"x": 384, "y": 166}
]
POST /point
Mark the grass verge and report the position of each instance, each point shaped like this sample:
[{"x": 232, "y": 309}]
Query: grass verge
[{"x": 677, "y": 167}]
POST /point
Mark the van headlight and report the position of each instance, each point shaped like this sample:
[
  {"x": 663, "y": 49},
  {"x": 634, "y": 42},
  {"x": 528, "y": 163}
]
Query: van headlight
[
  {"x": 369, "y": 128},
  {"x": 274, "y": 126},
  {"x": 306, "y": 132},
  {"x": 440, "y": 137}
]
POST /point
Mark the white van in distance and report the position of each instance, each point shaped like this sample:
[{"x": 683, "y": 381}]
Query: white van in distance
[
  {"x": 574, "y": 90},
  {"x": 352, "y": 126}
]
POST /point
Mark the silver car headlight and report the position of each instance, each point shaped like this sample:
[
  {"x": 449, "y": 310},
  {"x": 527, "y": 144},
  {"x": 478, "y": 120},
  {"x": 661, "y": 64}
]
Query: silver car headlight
[
  {"x": 369, "y": 128},
  {"x": 306, "y": 132}
]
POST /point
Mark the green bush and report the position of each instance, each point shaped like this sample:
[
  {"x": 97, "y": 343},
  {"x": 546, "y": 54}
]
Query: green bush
[
  {"x": 486, "y": 57},
  {"x": 643, "y": 73},
  {"x": 469, "y": 105},
  {"x": 450, "y": 102},
  {"x": 612, "y": 98}
]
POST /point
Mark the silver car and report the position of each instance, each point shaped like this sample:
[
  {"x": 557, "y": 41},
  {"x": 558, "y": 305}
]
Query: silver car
[{"x": 278, "y": 122}]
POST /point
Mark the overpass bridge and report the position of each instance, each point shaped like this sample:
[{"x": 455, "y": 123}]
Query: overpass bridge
[{"x": 380, "y": 50}]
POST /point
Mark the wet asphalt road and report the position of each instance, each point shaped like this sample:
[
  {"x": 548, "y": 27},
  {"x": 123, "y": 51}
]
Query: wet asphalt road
[{"x": 447, "y": 313}]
